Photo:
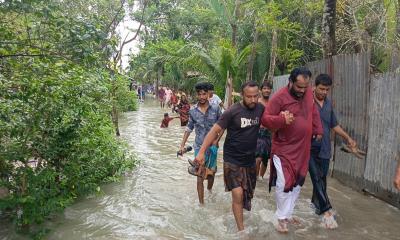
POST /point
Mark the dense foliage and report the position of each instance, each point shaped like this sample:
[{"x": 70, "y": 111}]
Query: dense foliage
[
  {"x": 214, "y": 38},
  {"x": 57, "y": 94},
  {"x": 61, "y": 87}
]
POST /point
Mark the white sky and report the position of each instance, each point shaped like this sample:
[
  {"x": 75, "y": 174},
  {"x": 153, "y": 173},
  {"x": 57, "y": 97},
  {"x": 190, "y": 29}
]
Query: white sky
[{"x": 128, "y": 26}]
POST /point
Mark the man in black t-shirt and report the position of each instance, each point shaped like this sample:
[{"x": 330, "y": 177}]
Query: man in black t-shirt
[{"x": 242, "y": 122}]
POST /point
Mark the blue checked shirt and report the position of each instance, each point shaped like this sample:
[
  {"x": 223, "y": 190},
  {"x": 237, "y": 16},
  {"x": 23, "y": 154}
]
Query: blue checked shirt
[{"x": 202, "y": 123}]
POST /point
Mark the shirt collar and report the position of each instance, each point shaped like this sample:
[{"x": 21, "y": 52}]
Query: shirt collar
[{"x": 196, "y": 106}]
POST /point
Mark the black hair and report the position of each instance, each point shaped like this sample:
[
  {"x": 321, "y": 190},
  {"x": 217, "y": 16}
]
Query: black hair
[
  {"x": 210, "y": 86},
  {"x": 165, "y": 114},
  {"x": 323, "y": 79},
  {"x": 201, "y": 86},
  {"x": 248, "y": 84},
  {"x": 266, "y": 84},
  {"x": 299, "y": 71}
]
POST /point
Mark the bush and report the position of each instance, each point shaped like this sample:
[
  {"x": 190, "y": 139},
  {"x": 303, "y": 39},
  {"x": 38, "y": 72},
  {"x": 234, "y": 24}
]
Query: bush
[
  {"x": 56, "y": 116},
  {"x": 126, "y": 100}
]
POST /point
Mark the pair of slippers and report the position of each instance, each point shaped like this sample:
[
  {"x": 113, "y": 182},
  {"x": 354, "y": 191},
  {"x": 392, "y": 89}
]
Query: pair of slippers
[
  {"x": 200, "y": 171},
  {"x": 353, "y": 150},
  {"x": 194, "y": 169}
]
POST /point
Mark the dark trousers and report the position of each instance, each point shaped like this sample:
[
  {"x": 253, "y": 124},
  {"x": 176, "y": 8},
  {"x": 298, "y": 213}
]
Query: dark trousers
[{"x": 318, "y": 168}]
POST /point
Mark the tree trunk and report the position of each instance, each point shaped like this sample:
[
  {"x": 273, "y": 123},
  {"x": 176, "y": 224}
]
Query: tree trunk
[
  {"x": 157, "y": 82},
  {"x": 328, "y": 28},
  {"x": 228, "y": 91},
  {"x": 234, "y": 23},
  {"x": 159, "y": 76},
  {"x": 114, "y": 112},
  {"x": 364, "y": 39},
  {"x": 252, "y": 57},
  {"x": 234, "y": 33},
  {"x": 229, "y": 77},
  {"x": 274, "y": 50},
  {"x": 115, "y": 119}
]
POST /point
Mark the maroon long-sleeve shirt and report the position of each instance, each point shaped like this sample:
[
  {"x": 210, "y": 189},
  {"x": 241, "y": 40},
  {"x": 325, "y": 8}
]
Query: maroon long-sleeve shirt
[{"x": 292, "y": 143}]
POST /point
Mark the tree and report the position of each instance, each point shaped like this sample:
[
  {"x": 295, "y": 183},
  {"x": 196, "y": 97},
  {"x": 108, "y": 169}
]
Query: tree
[
  {"x": 57, "y": 140},
  {"x": 328, "y": 28}
]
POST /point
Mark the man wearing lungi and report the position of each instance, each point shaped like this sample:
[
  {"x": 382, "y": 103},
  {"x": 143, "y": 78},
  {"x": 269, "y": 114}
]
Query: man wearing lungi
[
  {"x": 263, "y": 150},
  {"x": 242, "y": 122}
]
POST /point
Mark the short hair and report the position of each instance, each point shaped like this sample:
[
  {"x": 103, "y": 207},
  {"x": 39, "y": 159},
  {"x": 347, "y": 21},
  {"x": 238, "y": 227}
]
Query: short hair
[
  {"x": 323, "y": 79},
  {"x": 165, "y": 114},
  {"x": 266, "y": 84},
  {"x": 299, "y": 71},
  {"x": 210, "y": 86},
  {"x": 201, "y": 86},
  {"x": 248, "y": 84}
]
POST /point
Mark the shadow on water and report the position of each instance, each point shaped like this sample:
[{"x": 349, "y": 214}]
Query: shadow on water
[{"x": 158, "y": 200}]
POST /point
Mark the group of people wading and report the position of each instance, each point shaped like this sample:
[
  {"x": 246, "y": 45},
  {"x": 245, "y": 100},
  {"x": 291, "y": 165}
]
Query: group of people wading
[{"x": 292, "y": 129}]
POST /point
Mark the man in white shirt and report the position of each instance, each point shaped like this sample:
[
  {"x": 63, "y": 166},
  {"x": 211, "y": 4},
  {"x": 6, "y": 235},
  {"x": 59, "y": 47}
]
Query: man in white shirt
[
  {"x": 213, "y": 98},
  {"x": 168, "y": 94}
]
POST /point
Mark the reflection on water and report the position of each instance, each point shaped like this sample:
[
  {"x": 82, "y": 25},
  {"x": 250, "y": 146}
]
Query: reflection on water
[{"x": 159, "y": 200}]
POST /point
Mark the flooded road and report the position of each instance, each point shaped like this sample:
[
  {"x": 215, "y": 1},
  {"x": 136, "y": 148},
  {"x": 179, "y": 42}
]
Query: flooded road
[{"x": 158, "y": 200}]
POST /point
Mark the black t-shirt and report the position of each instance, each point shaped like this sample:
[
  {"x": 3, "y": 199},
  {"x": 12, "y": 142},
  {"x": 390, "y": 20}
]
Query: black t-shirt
[{"x": 242, "y": 125}]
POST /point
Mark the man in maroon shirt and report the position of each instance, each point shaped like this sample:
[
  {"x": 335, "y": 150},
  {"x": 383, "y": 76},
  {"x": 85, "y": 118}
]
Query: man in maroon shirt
[
  {"x": 293, "y": 117},
  {"x": 161, "y": 97},
  {"x": 166, "y": 120}
]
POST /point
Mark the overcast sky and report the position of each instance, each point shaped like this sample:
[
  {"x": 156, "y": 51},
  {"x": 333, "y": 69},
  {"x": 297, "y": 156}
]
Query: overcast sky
[{"x": 131, "y": 47}]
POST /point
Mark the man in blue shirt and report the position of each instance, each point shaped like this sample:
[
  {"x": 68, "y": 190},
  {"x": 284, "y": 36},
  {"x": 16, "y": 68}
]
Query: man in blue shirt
[
  {"x": 321, "y": 150},
  {"x": 201, "y": 119}
]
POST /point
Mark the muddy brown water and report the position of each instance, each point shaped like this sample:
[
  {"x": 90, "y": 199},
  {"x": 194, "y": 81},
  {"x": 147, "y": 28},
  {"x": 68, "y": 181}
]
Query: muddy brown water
[{"x": 158, "y": 200}]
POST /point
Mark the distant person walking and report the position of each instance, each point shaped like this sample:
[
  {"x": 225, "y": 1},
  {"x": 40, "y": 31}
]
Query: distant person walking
[
  {"x": 168, "y": 95},
  {"x": 161, "y": 97},
  {"x": 183, "y": 110}
]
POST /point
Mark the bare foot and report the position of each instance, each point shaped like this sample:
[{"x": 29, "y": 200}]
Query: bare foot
[
  {"x": 282, "y": 226},
  {"x": 243, "y": 235},
  {"x": 295, "y": 221},
  {"x": 329, "y": 221}
]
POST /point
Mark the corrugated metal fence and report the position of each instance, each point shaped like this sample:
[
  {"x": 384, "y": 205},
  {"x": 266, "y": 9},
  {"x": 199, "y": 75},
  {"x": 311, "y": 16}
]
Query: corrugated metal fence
[
  {"x": 368, "y": 108},
  {"x": 280, "y": 82},
  {"x": 350, "y": 96},
  {"x": 383, "y": 136}
]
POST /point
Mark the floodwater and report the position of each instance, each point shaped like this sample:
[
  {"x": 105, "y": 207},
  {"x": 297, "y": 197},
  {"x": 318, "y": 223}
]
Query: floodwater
[{"x": 158, "y": 200}]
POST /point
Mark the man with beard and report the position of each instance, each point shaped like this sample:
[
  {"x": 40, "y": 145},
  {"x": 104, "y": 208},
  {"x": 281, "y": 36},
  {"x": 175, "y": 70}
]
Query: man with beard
[
  {"x": 201, "y": 119},
  {"x": 294, "y": 118},
  {"x": 242, "y": 122},
  {"x": 321, "y": 151},
  {"x": 263, "y": 149}
]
